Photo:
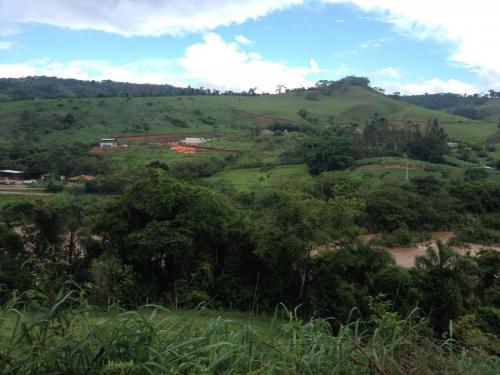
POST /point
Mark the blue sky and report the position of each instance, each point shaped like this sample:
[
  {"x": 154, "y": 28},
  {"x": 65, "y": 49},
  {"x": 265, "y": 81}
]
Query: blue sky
[{"x": 401, "y": 45}]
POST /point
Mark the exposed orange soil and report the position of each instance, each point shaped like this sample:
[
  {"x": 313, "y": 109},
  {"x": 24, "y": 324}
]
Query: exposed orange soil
[
  {"x": 184, "y": 149},
  {"x": 406, "y": 256}
]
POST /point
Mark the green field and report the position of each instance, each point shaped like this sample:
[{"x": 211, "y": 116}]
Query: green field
[
  {"x": 471, "y": 131},
  {"x": 6, "y": 199},
  {"x": 373, "y": 171},
  {"x": 257, "y": 178}
]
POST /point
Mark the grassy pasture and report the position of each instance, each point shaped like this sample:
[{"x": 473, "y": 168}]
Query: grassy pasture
[
  {"x": 257, "y": 178},
  {"x": 471, "y": 131},
  {"x": 393, "y": 169}
]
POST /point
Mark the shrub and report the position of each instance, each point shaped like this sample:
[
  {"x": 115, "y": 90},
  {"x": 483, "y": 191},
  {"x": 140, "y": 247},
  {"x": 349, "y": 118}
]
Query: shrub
[
  {"x": 114, "y": 281},
  {"x": 54, "y": 187}
]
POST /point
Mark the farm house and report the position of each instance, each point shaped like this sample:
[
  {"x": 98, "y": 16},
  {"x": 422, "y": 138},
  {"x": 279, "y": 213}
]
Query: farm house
[
  {"x": 10, "y": 177},
  {"x": 192, "y": 141},
  {"x": 108, "y": 143}
]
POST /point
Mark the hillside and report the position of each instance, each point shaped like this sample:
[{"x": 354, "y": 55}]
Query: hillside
[
  {"x": 492, "y": 109},
  {"x": 57, "y": 134},
  {"x": 87, "y": 119},
  {"x": 475, "y": 107}
]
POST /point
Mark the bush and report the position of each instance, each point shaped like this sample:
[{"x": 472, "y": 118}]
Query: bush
[
  {"x": 482, "y": 154},
  {"x": 402, "y": 236},
  {"x": 478, "y": 234},
  {"x": 114, "y": 281},
  {"x": 54, "y": 187},
  {"x": 475, "y": 174}
]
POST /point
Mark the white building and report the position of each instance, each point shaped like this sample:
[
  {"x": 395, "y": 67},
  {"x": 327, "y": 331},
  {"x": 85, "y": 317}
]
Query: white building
[
  {"x": 193, "y": 141},
  {"x": 108, "y": 143}
]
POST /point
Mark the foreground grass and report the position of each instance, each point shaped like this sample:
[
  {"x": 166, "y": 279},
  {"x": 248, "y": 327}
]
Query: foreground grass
[{"x": 38, "y": 337}]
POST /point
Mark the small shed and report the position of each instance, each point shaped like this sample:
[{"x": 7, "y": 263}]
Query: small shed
[
  {"x": 193, "y": 141},
  {"x": 108, "y": 143},
  {"x": 10, "y": 176}
]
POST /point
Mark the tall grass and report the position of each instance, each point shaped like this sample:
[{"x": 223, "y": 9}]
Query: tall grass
[{"x": 61, "y": 337}]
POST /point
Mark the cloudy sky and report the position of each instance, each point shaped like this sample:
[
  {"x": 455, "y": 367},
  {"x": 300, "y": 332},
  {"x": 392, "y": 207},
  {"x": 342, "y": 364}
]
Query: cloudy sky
[{"x": 402, "y": 45}]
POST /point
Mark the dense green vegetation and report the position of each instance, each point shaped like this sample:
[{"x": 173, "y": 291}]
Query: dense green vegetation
[
  {"x": 256, "y": 224},
  {"x": 52, "y": 87},
  {"x": 475, "y": 107}
]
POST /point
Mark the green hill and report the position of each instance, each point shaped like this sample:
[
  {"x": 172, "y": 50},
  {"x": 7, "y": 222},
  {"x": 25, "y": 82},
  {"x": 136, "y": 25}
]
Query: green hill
[
  {"x": 476, "y": 107},
  {"x": 87, "y": 119},
  {"x": 492, "y": 109}
]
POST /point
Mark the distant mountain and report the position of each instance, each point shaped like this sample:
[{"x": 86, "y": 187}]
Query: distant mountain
[
  {"x": 51, "y": 87},
  {"x": 475, "y": 107}
]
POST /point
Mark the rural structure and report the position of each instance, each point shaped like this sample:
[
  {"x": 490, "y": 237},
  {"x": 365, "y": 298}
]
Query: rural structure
[{"x": 108, "y": 143}]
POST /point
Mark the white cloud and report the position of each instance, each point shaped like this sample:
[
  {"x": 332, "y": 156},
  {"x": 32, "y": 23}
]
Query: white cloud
[
  {"x": 219, "y": 64},
  {"x": 210, "y": 63},
  {"x": 314, "y": 66},
  {"x": 241, "y": 39},
  {"x": 133, "y": 17},
  {"x": 255, "y": 55},
  {"x": 6, "y": 44},
  {"x": 374, "y": 43},
  {"x": 432, "y": 86},
  {"x": 368, "y": 45},
  {"x": 389, "y": 72},
  {"x": 468, "y": 25}
]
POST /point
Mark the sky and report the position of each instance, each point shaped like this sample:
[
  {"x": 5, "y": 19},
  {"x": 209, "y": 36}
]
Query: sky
[{"x": 406, "y": 46}]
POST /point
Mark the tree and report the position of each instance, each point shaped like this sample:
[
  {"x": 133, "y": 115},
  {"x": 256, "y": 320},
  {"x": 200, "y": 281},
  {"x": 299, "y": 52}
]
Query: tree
[
  {"x": 330, "y": 153},
  {"x": 341, "y": 280},
  {"x": 447, "y": 281},
  {"x": 288, "y": 231},
  {"x": 167, "y": 229},
  {"x": 13, "y": 254},
  {"x": 280, "y": 89}
]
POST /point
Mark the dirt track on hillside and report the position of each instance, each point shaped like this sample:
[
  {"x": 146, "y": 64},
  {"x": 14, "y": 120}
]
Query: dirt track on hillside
[
  {"x": 374, "y": 167},
  {"x": 260, "y": 118}
]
